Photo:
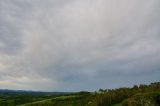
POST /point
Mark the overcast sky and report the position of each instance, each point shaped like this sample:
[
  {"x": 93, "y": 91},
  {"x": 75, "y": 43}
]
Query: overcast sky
[{"x": 73, "y": 45}]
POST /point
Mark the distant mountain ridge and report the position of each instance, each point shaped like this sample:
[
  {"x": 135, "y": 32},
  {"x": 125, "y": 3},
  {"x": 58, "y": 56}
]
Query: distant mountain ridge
[{"x": 32, "y": 92}]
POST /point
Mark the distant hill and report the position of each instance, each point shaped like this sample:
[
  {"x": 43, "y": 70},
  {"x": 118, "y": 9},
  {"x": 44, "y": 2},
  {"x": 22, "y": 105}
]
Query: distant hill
[
  {"x": 17, "y": 97},
  {"x": 31, "y": 92},
  {"x": 138, "y": 95}
]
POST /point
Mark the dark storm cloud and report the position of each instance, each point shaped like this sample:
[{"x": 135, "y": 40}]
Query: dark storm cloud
[{"x": 78, "y": 45}]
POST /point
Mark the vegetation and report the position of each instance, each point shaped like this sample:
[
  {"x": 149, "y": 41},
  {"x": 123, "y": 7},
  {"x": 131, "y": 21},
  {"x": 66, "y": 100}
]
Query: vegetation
[
  {"x": 142, "y": 95},
  {"x": 76, "y": 100},
  {"x": 115, "y": 96},
  {"x": 146, "y": 99},
  {"x": 14, "y": 98}
]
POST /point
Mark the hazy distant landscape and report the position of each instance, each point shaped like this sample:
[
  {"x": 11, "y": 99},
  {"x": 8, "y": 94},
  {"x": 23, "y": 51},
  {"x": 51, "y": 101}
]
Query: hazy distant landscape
[{"x": 142, "y": 95}]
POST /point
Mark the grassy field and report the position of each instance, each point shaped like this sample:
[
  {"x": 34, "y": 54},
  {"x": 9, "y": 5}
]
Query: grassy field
[
  {"x": 74, "y": 100},
  {"x": 120, "y": 104}
]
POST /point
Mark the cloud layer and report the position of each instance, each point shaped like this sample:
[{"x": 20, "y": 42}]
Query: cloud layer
[{"x": 78, "y": 45}]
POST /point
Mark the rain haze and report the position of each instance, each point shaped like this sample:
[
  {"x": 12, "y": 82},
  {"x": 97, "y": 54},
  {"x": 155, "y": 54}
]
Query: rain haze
[{"x": 74, "y": 45}]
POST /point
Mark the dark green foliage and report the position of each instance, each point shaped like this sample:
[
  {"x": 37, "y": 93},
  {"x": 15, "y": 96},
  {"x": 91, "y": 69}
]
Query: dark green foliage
[
  {"x": 146, "y": 99},
  {"x": 142, "y": 95},
  {"x": 14, "y": 98},
  {"x": 114, "y": 96}
]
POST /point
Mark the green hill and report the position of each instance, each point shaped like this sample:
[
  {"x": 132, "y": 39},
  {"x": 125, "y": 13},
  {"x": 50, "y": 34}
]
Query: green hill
[
  {"x": 146, "y": 99},
  {"x": 142, "y": 95},
  {"x": 74, "y": 100}
]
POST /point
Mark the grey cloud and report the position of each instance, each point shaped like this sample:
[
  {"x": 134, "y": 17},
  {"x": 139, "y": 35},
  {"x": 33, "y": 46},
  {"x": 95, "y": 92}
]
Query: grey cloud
[{"x": 78, "y": 45}]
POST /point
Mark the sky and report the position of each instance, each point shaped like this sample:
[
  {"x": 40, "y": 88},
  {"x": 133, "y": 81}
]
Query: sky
[{"x": 75, "y": 45}]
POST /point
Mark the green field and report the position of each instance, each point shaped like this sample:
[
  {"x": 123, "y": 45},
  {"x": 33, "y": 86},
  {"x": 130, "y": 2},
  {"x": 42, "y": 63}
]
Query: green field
[{"x": 75, "y": 100}]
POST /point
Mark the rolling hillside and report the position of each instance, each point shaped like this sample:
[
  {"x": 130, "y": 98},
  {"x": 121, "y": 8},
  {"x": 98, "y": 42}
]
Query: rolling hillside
[{"x": 142, "y": 95}]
